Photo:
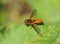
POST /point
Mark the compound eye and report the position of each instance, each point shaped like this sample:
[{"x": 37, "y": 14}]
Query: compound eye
[{"x": 28, "y": 22}]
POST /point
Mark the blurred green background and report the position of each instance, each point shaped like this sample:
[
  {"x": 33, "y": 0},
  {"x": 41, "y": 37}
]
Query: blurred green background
[{"x": 48, "y": 11}]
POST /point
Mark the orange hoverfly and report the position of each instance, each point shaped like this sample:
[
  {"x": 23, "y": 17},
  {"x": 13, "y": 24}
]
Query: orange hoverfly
[{"x": 34, "y": 22}]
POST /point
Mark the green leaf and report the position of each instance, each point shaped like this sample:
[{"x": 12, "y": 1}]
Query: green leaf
[{"x": 49, "y": 12}]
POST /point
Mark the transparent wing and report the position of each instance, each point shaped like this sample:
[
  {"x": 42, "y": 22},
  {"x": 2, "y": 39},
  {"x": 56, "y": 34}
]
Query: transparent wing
[
  {"x": 34, "y": 12},
  {"x": 37, "y": 29}
]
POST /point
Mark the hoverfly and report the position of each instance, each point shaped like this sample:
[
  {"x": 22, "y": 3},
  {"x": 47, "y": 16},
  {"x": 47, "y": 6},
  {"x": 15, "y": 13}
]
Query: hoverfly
[{"x": 34, "y": 22}]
